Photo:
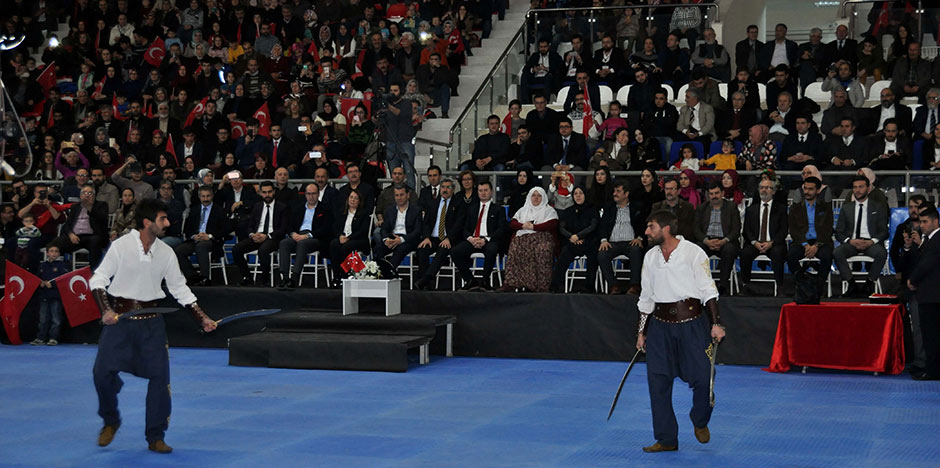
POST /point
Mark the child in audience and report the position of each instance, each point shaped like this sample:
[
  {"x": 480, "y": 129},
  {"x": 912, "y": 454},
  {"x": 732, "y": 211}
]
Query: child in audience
[
  {"x": 724, "y": 160},
  {"x": 50, "y": 305},
  {"x": 27, "y": 244},
  {"x": 687, "y": 159}
]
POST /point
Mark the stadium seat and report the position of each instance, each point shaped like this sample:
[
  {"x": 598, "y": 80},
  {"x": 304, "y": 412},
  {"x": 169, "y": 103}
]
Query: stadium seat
[
  {"x": 814, "y": 92},
  {"x": 607, "y": 95},
  {"x": 623, "y": 94},
  {"x": 715, "y": 148},
  {"x": 677, "y": 146}
]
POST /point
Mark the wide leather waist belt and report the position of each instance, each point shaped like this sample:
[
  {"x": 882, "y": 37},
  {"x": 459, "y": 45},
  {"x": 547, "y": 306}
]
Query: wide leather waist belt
[
  {"x": 122, "y": 305},
  {"x": 677, "y": 312}
]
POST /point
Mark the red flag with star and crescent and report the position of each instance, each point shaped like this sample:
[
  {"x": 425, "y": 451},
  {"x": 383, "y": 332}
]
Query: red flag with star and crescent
[
  {"x": 238, "y": 128},
  {"x": 588, "y": 121},
  {"x": 197, "y": 112},
  {"x": 155, "y": 53},
  {"x": 353, "y": 262},
  {"x": 19, "y": 289},
  {"x": 46, "y": 79},
  {"x": 80, "y": 307},
  {"x": 264, "y": 120},
  {"x": 506, "y": 126}
]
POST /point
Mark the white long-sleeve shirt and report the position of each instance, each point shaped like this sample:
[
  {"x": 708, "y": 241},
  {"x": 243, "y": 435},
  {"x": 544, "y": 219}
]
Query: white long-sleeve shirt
[
  {"x": 126, "y": 271},
  {"x": 686, "y": 275}
]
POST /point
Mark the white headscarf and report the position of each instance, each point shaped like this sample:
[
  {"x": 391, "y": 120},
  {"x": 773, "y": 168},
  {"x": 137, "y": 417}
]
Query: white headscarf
[{"x": 537, "y": 214}]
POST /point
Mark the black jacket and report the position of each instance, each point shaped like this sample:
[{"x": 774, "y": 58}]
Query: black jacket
[
  {"x": 730, "y": 221},
  {"x": 777, "y": 223},
  {"x": 98, "y": 218},
  {"x": 322, "y": 225},
  {"x": 216, "y": 226},
  {"x": 495, "y": 221},
  {"x": 606, "y": 226},
  {"x": 577, "y": 150},
  {"x": 453, "y": 223},
  {"x": 360, "y": 225},
  {"x": 813, "y": 146},
  {"x": 925, "y": 274},
  {"x": 578, "y": 220},
  {"x": 412, "y": 223},
  {"x": 281, "y": 219}
]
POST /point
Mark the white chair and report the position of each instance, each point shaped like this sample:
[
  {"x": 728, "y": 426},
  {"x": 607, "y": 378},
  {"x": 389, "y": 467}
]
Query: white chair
[
  {"x": 76, "y": 263},
  {"x": 670, "y": 92},
  {"x": 680, "y": 95},
  {"x": 577, "y": 270},
  {"x": 623, "y": 94},
  {"x": 875, "y": 91},
  {"x": 561, "y": 96},
  {"x": 762, "y": 278},
  {"x": 620, "y": 263},
  {"x": 447, "y": 271},
  {"x": 563, "y": 49},
  {"x": 255, "y": 266},
  {"x": 843, "y": 287},
  {"x": 476, "y": 268},
  {"x": 814, "y": 92},
  {"x": 407, "y": 268},
  {"x": 607, "y": 95},
  {"x": 723, "y": 90},
  {"x": 713, "y": 262},
  {"x": 314, "y": 264},
  {"x": 221, "y": 265}
]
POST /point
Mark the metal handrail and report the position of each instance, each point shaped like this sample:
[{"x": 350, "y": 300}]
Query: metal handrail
[
  {"x": 670, "y": 6},
  {"x": 844, "y": 15}
]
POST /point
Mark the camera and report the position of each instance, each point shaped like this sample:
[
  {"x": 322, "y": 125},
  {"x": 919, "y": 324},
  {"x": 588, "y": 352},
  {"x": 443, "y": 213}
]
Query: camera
[{"x": 43, "y": 194}]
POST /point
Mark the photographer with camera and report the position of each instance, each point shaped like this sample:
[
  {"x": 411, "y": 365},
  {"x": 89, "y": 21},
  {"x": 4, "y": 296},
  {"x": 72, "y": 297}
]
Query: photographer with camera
[
  {"x": 396, "y": 116},
  {"x": 250, "y": 144},
  {"x": 38, "y": 207},
  {"x": 134, "y": 180}
]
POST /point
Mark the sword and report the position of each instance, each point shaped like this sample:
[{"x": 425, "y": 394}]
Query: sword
[
  {"x": 148, "y": 310},
  {"x": 711, "y": 379},
  {"x": 624, "y": 379},
  {"x": 250, "y": 313}
]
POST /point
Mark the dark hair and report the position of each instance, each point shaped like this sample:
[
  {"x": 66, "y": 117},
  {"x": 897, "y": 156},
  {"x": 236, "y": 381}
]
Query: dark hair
[
  {"x": 485, "y": 182},
  {"x": 850, "y": 119},
  {"x": 435, "y": 167},
  {"x": 813, "y": 180},
  {"x": 206, "y": 188},
  {"x": 929, "y": 210},
  {"x": 622, "y": 184},
  {"x": 861, "y": 178},
  {"x": 714, "y": 185},
  {"x": 665, "y": 219},
  {"x": 89, "y": 185},
  {"x": 751, "y": 26},
  {"x": 148, "y": 208},
  {"x": 351, "y": 165},
  {"x": 267, "y": 183},
  {"x": 781, "y": 24},
  {"x": 565, "y": 120},
  {"x": 491, "y": 117},
  {"x": 919, "y": 198},
  {"x": 892, "y": 120},
  {"x": 782, "y": 68}
]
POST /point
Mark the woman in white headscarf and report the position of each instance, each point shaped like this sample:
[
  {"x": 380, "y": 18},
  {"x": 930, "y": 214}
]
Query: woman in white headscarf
[{"x": 532, "y": 247}]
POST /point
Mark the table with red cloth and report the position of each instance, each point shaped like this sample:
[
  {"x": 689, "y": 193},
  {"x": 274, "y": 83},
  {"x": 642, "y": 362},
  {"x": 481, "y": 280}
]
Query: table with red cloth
[{"x": 840, "y": 335}]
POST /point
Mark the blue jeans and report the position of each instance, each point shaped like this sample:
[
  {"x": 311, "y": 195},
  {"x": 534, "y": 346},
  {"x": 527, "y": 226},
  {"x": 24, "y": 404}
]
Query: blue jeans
[
  {"x": 172, "y": 241},
  {"x": 403, "y": 155},
  {"x": 50, "y": 319},
  {"x": 441, "y": 98}
]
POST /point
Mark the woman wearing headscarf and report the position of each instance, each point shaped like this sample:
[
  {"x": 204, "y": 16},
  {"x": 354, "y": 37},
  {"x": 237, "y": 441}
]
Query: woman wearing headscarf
[
  {"x": 601, "y": 191},
  {"x": 874, "y": 193},
  {"x": 524, "y": 182},
  {"x": 645, "y": 152},
  {"x": 532, "y": 247},
  {"x": 688, "y": 187},
  {"x": 824, "y": 193},
  {"x": 577, "y": 226},
  {"x": 731, "y": 189},
  {"x": 646, "y": 194},
  {"x": 332, "y": 122}
]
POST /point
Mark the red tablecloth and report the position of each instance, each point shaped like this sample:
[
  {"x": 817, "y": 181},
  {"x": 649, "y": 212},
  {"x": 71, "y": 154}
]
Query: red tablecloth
[{"x": 840, "y": 335}]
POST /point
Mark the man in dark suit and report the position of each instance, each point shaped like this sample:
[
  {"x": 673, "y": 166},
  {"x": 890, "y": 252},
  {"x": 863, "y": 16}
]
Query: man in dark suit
[
  {"x": 401, "y": 228},
  {"x": 682, "y": 209},
  {"x": 204, "y": 233},
  {"x": 862, "y": 229},
  {"x": 327, "y": 193},
  {"x": 620, "y": 233},
  {"x": 746, "y": 50},
  {"x": 924, "y": 278},
  {"x": 443, "y": 213},
  {"x": 309, "y": 227},
  {"x": 780, "y": 51},
  {"x": 282, "y": 151},
  {"x": 484, "y": 227},
  {"x": 86, "y": 226},
  {"x": 660, "y": 122},
  {"x": 366, "y": 191},
  {"x": 778, "y": 85},
  {"x": 845, "y": 153},
  {"x": 524, "y": 153},
  {"x": 887, "y": 150},
  {"x": 843, "y": 47},
  {"x": 430, "y": 192},
  {"x": 801, "y": 147},
  {"x": 267, "y": 225},
  {"x": 717, "y": 229},
  {"x": 734, "y": 123},
  {"x": 875, "y": 117},
  {"x": 566, "y": 150},
  {"x": 542, "y": 121},
  {"x": 641, "y": 93},
  {"x": 189, "y": 148},
  {"x": 610, "y": 67},
  {"x": 911, "y": 75},
  {"x": 544, "y": 68},
  {"x": 237, "y": 202},
  {"x": 582, "y": 80},
  {"x": 765, "y": 233},
  {"x": 814, "y": 59},
  {"x": 810, "y": 225},
  {"x": 927, "y": 116}
]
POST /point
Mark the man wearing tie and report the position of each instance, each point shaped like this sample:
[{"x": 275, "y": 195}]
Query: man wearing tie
[
  {"x": 442, "y": 225},
  {"x": 924, "y": 278},
  {"x": 204, "y": 232},
  {"x": 267, "y": 225},
  {"x": 765, "y": 233},
  {"x": 696, "y": 119},
  {"x": 282, "y": 151},
  {"x": 569, "y": 147},
  {"x": 484, "y": 227},
  {"x": 927, "y": 116},
  {"x": 862, "y": 229},
  {"x": 801, "y": 147}
]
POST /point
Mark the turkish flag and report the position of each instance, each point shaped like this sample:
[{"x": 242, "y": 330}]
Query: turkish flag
[
  {"x": 46, "y": 79},
  {"x": 80, "y": 307},
  {"x": 347, "y": 106},
  {"x": 20, "y": 286},
  {"x": 506, "y": 127},
  {"x": 197, "y": 111},
  {"x": 155, "y": 53},
  {"x": 239, "y": 129},
  {"x": 115, "y": 110},
  {"x": 171, "y": 148},
  {"x": 587, "y": 122},
  {"x": 353, "y": 262},
  {"x": 264, "y": 118}
]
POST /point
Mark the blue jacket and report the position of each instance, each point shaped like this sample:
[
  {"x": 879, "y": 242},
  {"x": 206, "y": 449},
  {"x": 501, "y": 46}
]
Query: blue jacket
[{"x": 49, "y": 271}]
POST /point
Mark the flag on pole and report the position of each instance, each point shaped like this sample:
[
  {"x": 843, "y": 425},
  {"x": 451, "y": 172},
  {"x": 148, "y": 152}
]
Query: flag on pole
[
  {"x": 155, "y": 53},
  {"x": 197, "y": 111},
  {"x": 46, "y": 79},
  {"x": 506, "y": 127},
  {"x": 80, "y": 307},
  {"x": 264, "y": 120},
  {"x": 19, "y": 289},
  {"x": 588, "y": 121},
  {"x": 353, "y": 262}
]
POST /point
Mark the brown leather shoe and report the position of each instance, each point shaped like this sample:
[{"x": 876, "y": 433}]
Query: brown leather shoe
[
  {"x": 107, "y": 434},
  {"x": 159, "y": 446},
  {"x": 615, "y": 290},
  {"x": 702, "y": 434},
  {"x": 634, "y": 289},
  {"x": 658, "y": 447}
]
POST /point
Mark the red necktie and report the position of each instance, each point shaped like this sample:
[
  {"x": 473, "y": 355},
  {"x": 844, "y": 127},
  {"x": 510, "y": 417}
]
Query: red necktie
[
  {"x": 476, "y": 232},
  {"x": 274, "y": 155}
]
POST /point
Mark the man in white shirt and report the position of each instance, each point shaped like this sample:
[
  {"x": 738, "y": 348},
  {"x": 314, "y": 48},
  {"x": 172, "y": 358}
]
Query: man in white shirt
[
  {"x": 484, "y": 227},
  {"x": 130, "y": 278},
  {"x": 401, "y": 228},
  {"x": 677, "y": 285},
  {"x": 267, "y": 225},
  {"x": 862, "y": 229}
]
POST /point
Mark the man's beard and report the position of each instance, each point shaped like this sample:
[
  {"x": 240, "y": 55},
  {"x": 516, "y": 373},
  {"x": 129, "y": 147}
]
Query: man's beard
[{"x": 655, "y": 240}]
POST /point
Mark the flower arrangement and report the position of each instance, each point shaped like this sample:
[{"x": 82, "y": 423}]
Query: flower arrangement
[{"x": 370, "y": 271}]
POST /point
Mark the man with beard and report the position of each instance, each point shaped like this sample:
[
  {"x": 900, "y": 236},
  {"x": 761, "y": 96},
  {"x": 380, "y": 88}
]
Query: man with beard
[
  {"x": 267, "y": 225},
  {"x": 676, "y": 287},
  {"x": 810, "y": 225},
  {"x": 107, "y": 192},
  {"x": 876, "y": 116},
  {"x": 765, "y": 233},
  {"x": 907, "y": 236},
  {"x": 927, "y": 117}
]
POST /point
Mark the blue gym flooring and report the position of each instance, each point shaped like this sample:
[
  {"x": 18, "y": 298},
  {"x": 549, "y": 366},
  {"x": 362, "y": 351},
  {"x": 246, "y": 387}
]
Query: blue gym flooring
[{"x": 457, "y": 412}]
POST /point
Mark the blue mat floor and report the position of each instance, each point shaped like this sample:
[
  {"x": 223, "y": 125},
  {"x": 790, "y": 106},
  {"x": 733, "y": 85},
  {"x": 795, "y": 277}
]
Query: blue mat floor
[{"x": 457, "y": 412}]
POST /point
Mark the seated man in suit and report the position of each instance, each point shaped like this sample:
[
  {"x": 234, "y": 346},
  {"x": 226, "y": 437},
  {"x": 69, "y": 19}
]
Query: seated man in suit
[
  {"x": 801, "y": 147},
  {"x": 682, "y": 209},
  {"x": 484, "y": 227},
  {"x": 845, "y": 153},
  {"x": 205, "y": 231},
  {"x": 86, "y": 226},
  {"x": 911, "y": 75},
  {"x": 717, "y": 228},
  {"x": 543, "y": 69},
  {"x": 888, "y": 109},
  {"x": 765, "y": 233},
  {"x": 927, "y": 116},
  {"x": 237, "y": 201},
  {"x": 862, "y": 229},
  {"x": 442, "y": 224},
  {"x": 401, "y": 227},
  {"x": 566, "y": 150},
  {"x": 267, "y": 225},
  {"x": 810, "y": 225},
  {"x": 310, "y": 223},
  {"x": 619, "y": 230},
  {"x": 735, "y": 122},
  {"x": 696, "y": 119}
]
